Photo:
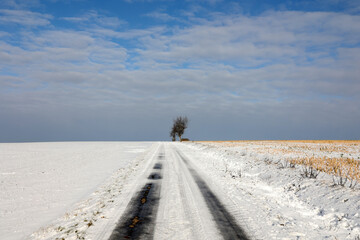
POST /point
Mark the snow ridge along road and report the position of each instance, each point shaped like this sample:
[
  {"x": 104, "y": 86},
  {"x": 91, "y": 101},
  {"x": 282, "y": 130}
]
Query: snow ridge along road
[{"x": 175, "y": 202}]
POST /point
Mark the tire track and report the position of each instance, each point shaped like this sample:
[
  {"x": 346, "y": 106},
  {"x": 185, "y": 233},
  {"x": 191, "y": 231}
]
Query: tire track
[
  {"x": 226, "y": 223},
  {"x": 138, "y": 220}
]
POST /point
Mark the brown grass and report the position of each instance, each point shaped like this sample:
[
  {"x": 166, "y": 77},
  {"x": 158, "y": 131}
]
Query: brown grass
[
  {"x": 344, "y": 169},
  {"x": 339, "y": 158}
]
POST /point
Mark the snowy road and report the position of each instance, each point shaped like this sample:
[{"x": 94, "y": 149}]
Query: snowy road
[{"x": 175, "y": 202}]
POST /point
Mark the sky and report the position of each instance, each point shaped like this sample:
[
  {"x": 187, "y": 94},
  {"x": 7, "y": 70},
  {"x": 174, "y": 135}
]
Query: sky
[{"x": 122, "y": 70}]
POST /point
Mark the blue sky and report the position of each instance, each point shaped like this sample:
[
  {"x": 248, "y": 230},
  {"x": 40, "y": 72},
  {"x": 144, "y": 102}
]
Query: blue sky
[{"x": 122, "y": 70}]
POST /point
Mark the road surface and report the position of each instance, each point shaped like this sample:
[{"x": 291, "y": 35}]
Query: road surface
[{"x": 174, "y": 200}]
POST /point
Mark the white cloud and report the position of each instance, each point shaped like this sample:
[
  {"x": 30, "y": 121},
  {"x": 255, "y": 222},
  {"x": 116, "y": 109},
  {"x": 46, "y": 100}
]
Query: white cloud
[
  {"x": 267, "y": 66},
  {"x": 129, "y": 34},
  {"x": 4, "y": 34},
  {"x": 20, "y": 4},
  {"x": 251, "y": 41},
  {"x": 94, "y": 18},
  {"x": 162, "y": 16},
  {"x": 212, "y": 2},
  {"x": 23, "y": 17},
  {"x": 11, "y": 82},
  {"x": 62, "y": 39}
]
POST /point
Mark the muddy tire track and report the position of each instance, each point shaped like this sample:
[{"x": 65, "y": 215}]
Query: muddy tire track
[{"x": 138, "y": 220}]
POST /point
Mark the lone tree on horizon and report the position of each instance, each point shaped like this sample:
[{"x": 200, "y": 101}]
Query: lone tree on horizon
[
  {"x": 173, "y": 133},
  {"x": 179, "y": 126}
]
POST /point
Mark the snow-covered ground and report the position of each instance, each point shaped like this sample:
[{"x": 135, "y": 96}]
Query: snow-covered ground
[
  {"x": 39, "y": 182},
  {"x": 81, "y": 190},
  {"x": 278, "y": 202}
]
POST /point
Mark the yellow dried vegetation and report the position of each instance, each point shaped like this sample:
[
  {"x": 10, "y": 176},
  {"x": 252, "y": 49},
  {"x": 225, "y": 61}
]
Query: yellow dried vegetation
[
  {"x": 344, "y": 170},
  {"x": 313, "y": 155}
]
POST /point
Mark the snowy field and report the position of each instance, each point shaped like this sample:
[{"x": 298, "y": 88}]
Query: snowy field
[
  {"x": 39, "y": 182},
  {"x": 278, "y": 201},
  {"x": 81, "y": 190}
]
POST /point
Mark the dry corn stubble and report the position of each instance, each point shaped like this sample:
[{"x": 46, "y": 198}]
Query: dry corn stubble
[{"x": 314, "y": 154}]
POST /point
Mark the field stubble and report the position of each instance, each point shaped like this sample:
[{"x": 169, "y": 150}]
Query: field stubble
[{"x": 338, "y": 158}]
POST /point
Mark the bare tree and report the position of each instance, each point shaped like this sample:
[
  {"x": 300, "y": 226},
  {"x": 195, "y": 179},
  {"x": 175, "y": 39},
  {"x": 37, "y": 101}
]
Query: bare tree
[
  {"x": 179, "y": 126},
  {"x": 173, "y": 133}
]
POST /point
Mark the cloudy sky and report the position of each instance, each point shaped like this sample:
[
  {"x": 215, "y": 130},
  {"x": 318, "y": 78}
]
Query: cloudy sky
[{"x": 122, "y": 70}]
